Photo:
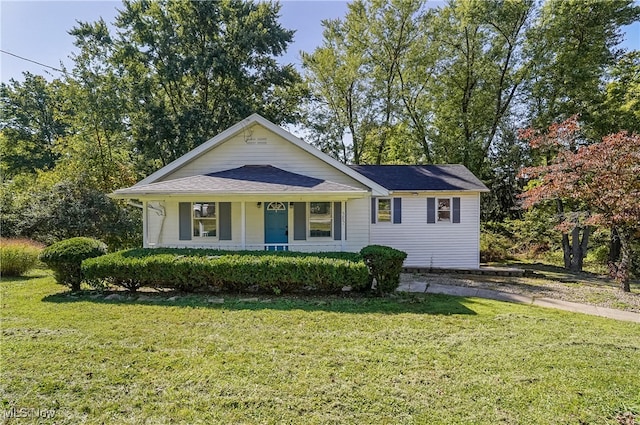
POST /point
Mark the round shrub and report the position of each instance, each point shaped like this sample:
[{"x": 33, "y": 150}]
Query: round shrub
[
  {"x": 65, "y": 258},
  {"x": 385, "y": 266},
  {"x": 18, "y": 256}
]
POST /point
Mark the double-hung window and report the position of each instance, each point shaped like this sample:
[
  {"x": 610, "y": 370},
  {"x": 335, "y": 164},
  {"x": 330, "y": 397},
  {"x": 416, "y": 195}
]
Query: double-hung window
[
  {"x": 384, "y": 210},
  {"x": 444, "y": 209},
  {"x": 320, "y": 219},
  {"x": 205, "y": 220}
]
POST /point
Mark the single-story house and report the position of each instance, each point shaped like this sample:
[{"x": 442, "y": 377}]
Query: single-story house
[{"x": 256, "y": 186}]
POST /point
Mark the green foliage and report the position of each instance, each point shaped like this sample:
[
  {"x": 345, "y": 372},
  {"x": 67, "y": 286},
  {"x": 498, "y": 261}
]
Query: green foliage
[
  {"x": 201, "y": 269},
  {"x": 65, "y": 258},
  {"x": 621, "y": 108},
  {"x": 572, "y": 45},
  {"x": 189, "y": 70},
  {"x": 494, "y": 247},
  {"x": 385, "y": 266},
  {"x": 68, "y": 209},
  {"x": 18, "y": 256},
  {"x": 31, "y": 121},
  {"x": 406, "y": 83}
]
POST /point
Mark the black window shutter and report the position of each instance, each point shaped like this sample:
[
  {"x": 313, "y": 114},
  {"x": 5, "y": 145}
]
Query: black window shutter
[
  {"x": 431, "y": 210},
  {"x": 397, "y": 210},
  {"x": 456, "y": 210},
  {"x": 299, "y": 221},
  {"x": 184, "y": 211},
  {"x": 224, "y": 217},
  {"x": 337, "y": 221},
  {"x": 373, "y": 210}
]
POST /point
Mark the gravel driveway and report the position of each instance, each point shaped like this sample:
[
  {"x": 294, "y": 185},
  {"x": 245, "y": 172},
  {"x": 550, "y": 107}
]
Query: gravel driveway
[{"x": 599, "y": 293}]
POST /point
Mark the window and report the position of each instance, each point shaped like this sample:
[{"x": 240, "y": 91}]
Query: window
[
  {"x": 444, "y": 209},
  {"x": 384, "y": 210},
  {"x": 320, "y": 219},
  {"x": 205, "y": 221}
]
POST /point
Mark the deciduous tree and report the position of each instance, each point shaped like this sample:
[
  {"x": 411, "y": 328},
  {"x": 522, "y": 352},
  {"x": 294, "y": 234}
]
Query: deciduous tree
[
  {"x": 603, "y": 177},
  {"x": 194, "y": 68}
]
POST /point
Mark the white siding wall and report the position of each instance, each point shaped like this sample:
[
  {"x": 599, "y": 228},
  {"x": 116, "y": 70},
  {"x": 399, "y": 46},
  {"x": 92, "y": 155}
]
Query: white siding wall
[
  {"x": 171, "y": 229},
  {"x": 358, "y": 219},
  {"x": 255, "y": 223},
  {"x": 266, "y": 148},
  {"x": 357, "y": 229},
  {"x": 444, "y": 245}
]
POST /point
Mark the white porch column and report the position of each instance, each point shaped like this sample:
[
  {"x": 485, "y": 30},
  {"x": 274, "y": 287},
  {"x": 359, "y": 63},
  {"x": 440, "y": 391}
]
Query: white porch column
[
  {"x": 145, "y": 236},
  {"x": 243, "y": 225},
  {"x": 343, "y": 224}
]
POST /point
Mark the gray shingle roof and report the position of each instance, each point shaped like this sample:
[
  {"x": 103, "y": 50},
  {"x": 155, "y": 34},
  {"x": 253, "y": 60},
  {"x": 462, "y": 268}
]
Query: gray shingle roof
[
  {"x": 246, "y": 179},
  {"x": 422, "y": 177}
]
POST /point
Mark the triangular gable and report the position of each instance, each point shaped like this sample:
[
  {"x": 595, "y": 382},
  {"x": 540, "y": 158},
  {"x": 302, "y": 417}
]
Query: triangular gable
[{"x": 212, "y": 143}]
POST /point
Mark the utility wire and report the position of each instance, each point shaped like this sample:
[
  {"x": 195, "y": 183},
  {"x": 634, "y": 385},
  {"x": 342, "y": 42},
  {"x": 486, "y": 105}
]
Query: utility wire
[{"x": 32, "y": 61}]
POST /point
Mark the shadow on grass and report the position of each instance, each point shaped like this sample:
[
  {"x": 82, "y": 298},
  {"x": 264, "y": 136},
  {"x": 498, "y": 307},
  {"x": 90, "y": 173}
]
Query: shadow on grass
[
  {"x": 33, "y": 274},
  {"x": 354, "y": 304}
]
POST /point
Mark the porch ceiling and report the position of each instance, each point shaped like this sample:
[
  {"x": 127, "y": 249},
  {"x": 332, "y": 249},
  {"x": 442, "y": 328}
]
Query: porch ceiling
[{"x": 245, "y": 180}]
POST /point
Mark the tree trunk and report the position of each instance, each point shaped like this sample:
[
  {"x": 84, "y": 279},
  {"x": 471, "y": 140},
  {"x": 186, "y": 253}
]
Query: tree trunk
[
  {"x": 579, "y": 247},
  {"x": 566, "y": 247},
  {"x": 614, "y": 246},
  {"x": 622, "y": 269}
]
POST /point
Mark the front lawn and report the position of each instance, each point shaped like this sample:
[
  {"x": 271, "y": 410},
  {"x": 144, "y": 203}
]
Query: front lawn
[{"x": 414, "y": 359}]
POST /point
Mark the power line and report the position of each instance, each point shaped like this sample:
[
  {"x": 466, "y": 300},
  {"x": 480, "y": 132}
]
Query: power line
[{"x": 32, "y": 61}]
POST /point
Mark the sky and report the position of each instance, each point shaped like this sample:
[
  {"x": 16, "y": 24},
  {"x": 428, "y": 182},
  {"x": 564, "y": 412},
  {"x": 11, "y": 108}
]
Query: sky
[{"x": 38, "y": 30}]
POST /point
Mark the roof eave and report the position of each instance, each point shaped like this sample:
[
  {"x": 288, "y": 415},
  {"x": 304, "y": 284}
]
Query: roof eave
[
  {"x": 474, "y": 190},
  {"x": 140, "y": 194}
]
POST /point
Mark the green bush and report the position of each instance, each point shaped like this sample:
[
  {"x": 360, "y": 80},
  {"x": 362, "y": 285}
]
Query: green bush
[
  {"x": 18, "y": 256},
  {"x": 385, "y": 266},
  {"x": 65, "y": 258},
  {"x": 200, "y": 269},
  {"x": 494, "y": 247}
]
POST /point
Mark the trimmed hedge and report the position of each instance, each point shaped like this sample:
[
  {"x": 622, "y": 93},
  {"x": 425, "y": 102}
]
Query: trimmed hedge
[
  {"x": 385, "y": 266},
  {"x": 201, "y": 269},
  {"x": 65, "y": 258}
]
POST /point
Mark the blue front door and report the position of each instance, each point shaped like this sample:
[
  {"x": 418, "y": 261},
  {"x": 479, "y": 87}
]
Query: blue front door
[{"x": 276, "y": 220}]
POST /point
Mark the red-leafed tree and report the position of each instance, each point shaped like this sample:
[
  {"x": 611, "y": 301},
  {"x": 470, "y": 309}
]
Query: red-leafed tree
[
  {"x": 603, "y": 177},
  {"x": 561, "y": 137}
]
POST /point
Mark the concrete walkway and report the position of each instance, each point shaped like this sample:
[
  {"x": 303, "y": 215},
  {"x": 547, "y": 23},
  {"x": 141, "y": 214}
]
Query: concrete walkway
[{"x": 465, "y": 291}]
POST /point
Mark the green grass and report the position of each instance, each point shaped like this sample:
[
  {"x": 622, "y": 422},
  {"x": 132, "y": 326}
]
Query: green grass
[{"x": 414, "y": 359}]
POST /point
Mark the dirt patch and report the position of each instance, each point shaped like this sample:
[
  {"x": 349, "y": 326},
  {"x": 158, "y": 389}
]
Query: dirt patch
[{"x": 587, "y": 291}]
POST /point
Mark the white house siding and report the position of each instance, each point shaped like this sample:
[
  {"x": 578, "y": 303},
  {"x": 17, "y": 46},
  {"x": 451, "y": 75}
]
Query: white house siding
[
  {"x": 358, "y": 219},
  {"x": 171, "y": 228},
  {"x": 440, "y": 245},
  {"x": 263, "y": 148},
  {"x": 357, "y": 228}
]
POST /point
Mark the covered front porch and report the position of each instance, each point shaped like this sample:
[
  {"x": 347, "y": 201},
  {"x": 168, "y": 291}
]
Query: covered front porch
[{"x": 248, "y": 208}]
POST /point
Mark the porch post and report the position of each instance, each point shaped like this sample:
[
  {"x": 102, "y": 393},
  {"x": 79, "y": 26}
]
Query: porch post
[
  {"x": 342, "y": 224},
  {"x": 243, "y": 235},
  {"x": 145, "y": 236}
]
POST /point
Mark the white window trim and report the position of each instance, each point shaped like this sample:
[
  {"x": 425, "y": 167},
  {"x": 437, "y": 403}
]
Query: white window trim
[
  {"x": 319, "y": 238},
  {"x": 378, "y": 211},
  {"x": 450, "y": 221},
  {"x": 215, "y": 238}
]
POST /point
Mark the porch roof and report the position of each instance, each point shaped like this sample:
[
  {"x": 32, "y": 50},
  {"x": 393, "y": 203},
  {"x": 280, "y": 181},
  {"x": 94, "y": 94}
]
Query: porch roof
[{"x": 248, "y": 179}]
